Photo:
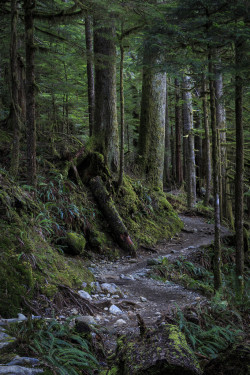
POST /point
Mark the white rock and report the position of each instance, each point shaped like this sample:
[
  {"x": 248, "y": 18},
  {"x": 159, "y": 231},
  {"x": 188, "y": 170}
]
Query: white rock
[
  {"x": 21, "y": 317},
  {"x": 84, "y": 284},
  {"x": 120, "y": 322},
  {"x": 115, "y": 296},
  {"x": 143, "y": 299},
  {"x": 115, "y": 310},
  {"x": 109, "y": 288},
  {"x": 86, "y": 319},
  {"x": 74, "y": 311},
  {"x": 84, "y": 294}
]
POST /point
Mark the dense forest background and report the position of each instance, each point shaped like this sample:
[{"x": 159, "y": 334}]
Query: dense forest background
[{"x": 124, "y": 101}]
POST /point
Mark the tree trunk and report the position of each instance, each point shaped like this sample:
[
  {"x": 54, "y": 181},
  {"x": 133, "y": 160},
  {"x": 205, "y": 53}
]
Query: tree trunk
[
  {"x": 151, "y": 142},
  {"x": 90, "y": 72},
  {"x": 119, "y": 231},
  {"x": 105, "y": 130},
  {"x": 239, "y": 169},
  {"x": 215, "y": 161},
  {"x": 178, "y": 132},
  {"x": 221, "y": 126},
  {"x": 29, "y": 6},
  {"x": 207, "y": 142},
  {"x": 189, "y": 141},
  {"x": 16, "y": 116},
  {"x": 198, "y": 150},
  {"x": 167, "y": 157},
  {"x": 121, "y": 169}
]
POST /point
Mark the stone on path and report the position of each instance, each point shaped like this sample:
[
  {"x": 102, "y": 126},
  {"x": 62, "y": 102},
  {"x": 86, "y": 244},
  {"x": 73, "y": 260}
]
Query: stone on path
[
  {"x": 115, "y": 310},
  {"x": 84, "y": 294}
]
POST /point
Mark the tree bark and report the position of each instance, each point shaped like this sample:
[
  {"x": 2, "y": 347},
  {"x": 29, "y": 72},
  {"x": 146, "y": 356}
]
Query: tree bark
[
  {"x": 221, "y": 126},
  {"x": 207, "y": 141},
  {"x": 16, "y": 116},
  {"x": 167, "y": 156},
  {"x": 239, "y": 168},
  {"x": 29, "y": 6},
  {"x": 119, "y": 231},
  {"x": 215, "y": 161},
  {"x": 178, "y": 133},
  {"x": 122, "y": 125},
  {"x": 90, "y": 72},
  {"x": 151, "y": 142},
  {"x": 105, "y": 130},
  {"x": 189, "y": 142}
]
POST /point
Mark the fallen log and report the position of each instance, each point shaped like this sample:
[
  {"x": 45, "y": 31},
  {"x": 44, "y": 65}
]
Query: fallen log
[{"x": 107, "y": 206}]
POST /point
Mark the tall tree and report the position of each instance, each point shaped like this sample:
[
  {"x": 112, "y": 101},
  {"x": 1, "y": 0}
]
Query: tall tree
[
  {"x": 167, "y": 157},
  {"x": 105, "y": 130},
  {"x": 178, "y": 133},
  {"x": 152, "y": 122},
  {"x": 239, "y": 56},
  {"x": 29, "y": 7},
  {"x": 215, "y": 163},
  {"x": 90, "y": 71},
  {"x": 207, "y": 152},
  {"x": 190, "y": 175},
  {"x": 16, "y": 115}
]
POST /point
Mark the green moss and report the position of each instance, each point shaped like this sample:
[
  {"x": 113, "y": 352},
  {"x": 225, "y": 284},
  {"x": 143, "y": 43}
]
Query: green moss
[
  {"x": 147, "y": 214},
  {"x": 76, "y": 243}
]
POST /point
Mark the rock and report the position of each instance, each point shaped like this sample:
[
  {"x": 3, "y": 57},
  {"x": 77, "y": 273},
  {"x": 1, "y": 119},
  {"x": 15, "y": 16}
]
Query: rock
[
  {"x": 74, "y": 311},
  {"x": 24, "y": 361},
  {"x": 84, "y": 285},
  {"x": 85, "y": 295},
  {"x": 143, "y": 299},
  {"x": 21, "y": 317},
  {"x": 76, "y": 243},
  {"x": 127, "y": 277},
  {"x": 120, "y": 322},
  {"x": 86, "y": 319},
  {"x": 95, "y": 285},
  {"x": 232, "y": 361},
  {"x": 18, "y": 370},
  {"x": 166, "y": 352},
  {"x": 115, "y": 310},
  {"x": 109, "y": 288}
]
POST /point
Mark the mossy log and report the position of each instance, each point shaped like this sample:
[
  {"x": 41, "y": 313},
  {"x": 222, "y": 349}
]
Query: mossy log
[{"x": 108, "y": 208}]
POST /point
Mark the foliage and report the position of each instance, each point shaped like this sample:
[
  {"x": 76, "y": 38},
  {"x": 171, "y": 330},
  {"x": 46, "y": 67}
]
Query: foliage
[
  {"x": 210, "y": 338},
  {"x": 61, "y": 350}
]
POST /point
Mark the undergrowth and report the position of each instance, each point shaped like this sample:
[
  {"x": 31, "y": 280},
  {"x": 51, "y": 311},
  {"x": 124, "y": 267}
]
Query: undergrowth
[{"x": 60, "y": 349}]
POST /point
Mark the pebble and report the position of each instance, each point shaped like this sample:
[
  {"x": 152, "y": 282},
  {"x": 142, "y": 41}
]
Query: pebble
[
  {"x": 74, "y": 311},
  {"x": 115, "y": 310},
  {"x": 127, "y": 277},
  {"x": 143, "y": 299},
  {"x": 84, "y": 295},
  {"x": 21, "y": 317},
  {"x": 109, "y": 288},
  {"x": 120, "y": 322}
]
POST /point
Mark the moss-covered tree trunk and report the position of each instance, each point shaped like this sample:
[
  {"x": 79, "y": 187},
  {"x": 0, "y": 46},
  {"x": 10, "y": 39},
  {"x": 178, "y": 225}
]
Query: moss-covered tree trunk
[
  {"x": 167, "y": 157},
  {"x": 29, "y": 6},
  {"x": 190, "y": 175},
  {"x": 16, "y": 117},
  {"x": 119, "y": 230},
  {"x": 207, "y": 152},
  {"x": 151, "y": 142},
  {"x": 105, "y": 130},
  {"x": 239, "y": 231},
  {"x": 215, "y": 163},
  {"x": 178, "y": 133},
  {"x": 122, "y": 115},
  {"x": 90, "y": 71}
]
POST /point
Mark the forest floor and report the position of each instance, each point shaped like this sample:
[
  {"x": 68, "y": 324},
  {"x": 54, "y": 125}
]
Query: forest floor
[{"x": 152, "y": 299}]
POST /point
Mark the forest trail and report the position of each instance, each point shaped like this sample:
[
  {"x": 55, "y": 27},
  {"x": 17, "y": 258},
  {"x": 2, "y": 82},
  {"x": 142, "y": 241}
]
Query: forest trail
[{"x": 151, "y": 298}]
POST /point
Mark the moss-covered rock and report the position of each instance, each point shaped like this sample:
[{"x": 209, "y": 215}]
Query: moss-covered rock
[
  {"x": 159, "y": 352},
  {"x": 76, "y": 243}
]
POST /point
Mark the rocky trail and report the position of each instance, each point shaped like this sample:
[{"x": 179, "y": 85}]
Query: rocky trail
[{"x": 122, "y": 290}]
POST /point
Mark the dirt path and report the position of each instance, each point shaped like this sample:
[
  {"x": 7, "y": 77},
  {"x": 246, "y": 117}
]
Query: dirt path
[{"x": 150, "y": 298}]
